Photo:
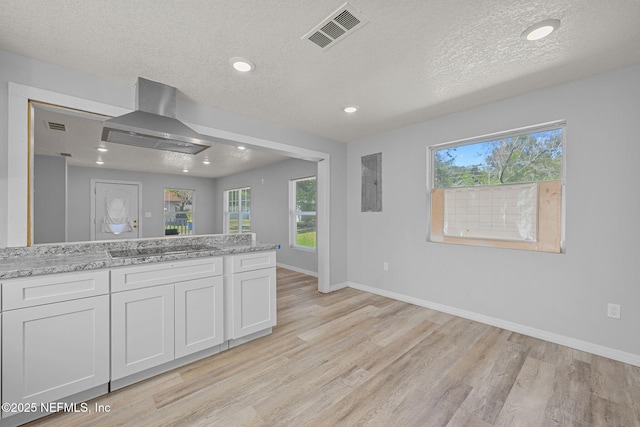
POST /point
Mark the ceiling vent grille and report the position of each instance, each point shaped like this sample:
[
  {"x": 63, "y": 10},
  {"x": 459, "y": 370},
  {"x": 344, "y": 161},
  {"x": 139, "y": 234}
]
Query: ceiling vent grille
[
  {"x": 57, "y": 126},
  {"x": 344, "y": 21},
  {"x": 65, "y": 154}
]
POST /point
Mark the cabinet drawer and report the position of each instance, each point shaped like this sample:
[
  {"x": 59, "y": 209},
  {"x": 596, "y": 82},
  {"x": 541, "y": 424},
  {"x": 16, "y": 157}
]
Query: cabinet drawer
[
  {"x": 163, "y": 273},
  {"x": 38, "y": 290},
  {"x": 253, "y": 261}
]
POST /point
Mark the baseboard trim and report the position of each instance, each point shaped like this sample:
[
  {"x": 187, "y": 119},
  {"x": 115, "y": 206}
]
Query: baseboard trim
[
  {"x": 599, "y": 350},
  {"x": 337, "y": 286},
  {"x": 298, "y": 269}
]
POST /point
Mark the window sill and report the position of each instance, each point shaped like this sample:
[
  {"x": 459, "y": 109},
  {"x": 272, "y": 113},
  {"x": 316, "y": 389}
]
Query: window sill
[{"x": 300, "y": 248}]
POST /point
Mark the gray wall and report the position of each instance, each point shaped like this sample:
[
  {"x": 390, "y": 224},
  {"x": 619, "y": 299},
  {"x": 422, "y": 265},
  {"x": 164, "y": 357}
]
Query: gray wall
[
  {"x": 153, "y": 185},
  {"x": 49, "y": 199},
  {"x": 270, "y": 206},
  {"x": 565, "y": 294}
]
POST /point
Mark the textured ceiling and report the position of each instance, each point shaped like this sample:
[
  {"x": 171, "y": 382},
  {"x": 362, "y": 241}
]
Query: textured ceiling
[{"x": 413, "y": 60}]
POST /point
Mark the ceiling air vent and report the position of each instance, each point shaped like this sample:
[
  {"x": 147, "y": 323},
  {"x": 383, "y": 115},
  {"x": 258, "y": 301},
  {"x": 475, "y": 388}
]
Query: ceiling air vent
[
  {"x": 57, "y": 126},
  {"x": 65, "y": 154},
  {"x": 344, "y": 21}
]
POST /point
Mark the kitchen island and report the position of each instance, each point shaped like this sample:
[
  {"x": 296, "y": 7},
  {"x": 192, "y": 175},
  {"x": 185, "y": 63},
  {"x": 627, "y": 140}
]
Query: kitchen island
[
  {"x": 82, "y": 319},
  {"x": 68, "y": 257}
]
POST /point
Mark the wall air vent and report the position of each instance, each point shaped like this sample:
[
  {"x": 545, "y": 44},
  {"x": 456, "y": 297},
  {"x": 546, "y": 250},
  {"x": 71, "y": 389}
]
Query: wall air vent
[
  {"x": 57, "y": 126},
  {"x": 336, "y": 27},
  {"x": 65, "y": 154}
]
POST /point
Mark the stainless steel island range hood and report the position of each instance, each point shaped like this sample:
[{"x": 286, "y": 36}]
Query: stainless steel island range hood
[{"x": 154, "y": 124}]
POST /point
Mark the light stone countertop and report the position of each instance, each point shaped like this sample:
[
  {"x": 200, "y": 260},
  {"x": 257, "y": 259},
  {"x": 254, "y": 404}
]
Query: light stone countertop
[{"x": 62, "y": 258}]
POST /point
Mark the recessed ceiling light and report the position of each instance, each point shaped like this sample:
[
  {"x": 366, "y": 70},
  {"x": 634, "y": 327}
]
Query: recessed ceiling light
[
  {"x": 185, "y": 170},
  {"x": 240, "y": 147},
  {"x": 99, "y": 162},
  {"x": 206, "y": 162},
  {"x": 242, "y": 64},
  {"x": 541, "y": 29},
  {"x": 102, "y": 149},
  {"x": 350, "y": 109}
]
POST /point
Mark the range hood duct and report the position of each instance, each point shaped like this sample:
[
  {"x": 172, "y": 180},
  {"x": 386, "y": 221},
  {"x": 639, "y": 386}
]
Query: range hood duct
[{"x": 154, "y": 124}]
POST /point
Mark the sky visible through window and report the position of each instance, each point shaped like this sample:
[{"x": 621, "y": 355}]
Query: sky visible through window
[
  {"x": 476, "y": 154},
  {"x": 532, "y": 157}
]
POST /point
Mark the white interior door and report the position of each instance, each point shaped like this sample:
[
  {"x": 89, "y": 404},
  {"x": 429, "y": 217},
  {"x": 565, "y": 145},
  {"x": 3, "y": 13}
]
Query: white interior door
[{"x": 116, "y": 210}]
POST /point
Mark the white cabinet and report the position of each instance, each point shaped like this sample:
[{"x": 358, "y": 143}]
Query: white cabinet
[
  {"x": 144, "y": 276},
  {"x": 65, "y": 336},
  {"x": 199, "y": 314},
  {"x": 53, "y": 348},
  {"x": 1, "y": 360},
  {"x": 142, "y": 329},
  {"x": 250, "y": 289},
  {"x": 164, "y": 311},
  {"x": 40, "y": 290}
]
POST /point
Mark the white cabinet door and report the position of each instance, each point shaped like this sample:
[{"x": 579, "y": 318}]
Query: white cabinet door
[
  {"x": 142, "y": 329},
  {"x": 199, "y": 315},
  {"x": 254, "y": 301},
  {"x": 0, "y": 347},
  {"x": 53, "y": 351}
]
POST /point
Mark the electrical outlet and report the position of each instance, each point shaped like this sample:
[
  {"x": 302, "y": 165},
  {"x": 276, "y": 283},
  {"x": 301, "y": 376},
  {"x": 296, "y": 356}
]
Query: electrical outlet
[
  {"x": 613, "y": 310},
  {"x": 385, "y": 266}
]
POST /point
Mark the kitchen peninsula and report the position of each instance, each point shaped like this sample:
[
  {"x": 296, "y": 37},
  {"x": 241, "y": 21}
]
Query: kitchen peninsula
[{"x": 82, "y": 319}]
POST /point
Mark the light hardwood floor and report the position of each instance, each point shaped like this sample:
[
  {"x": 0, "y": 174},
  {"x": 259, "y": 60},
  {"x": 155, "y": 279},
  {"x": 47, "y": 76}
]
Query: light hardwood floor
[{"x": 351, "y": 358}]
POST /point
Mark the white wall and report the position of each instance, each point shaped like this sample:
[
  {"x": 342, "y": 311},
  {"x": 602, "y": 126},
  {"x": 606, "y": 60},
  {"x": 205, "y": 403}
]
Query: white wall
[
  {"x": 29, "y": 72},
  {"x": 270, "y": 206},
  {"x": 564, "y": 294}
]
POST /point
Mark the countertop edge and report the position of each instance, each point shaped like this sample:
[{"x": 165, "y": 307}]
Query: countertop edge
[{"x": 55, "y": 264}]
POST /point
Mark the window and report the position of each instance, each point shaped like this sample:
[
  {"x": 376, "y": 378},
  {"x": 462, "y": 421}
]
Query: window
[
  {"x": 237, "y": 210},
  {"x": 178, "y": 211},
  {"x": 504, "y": 190},
  {"x": 302, "y": 208}
]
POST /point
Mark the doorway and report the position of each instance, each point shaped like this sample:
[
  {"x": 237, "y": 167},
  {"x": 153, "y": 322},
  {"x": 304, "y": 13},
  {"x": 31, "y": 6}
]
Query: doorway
[{"x": 115, "y": 210}]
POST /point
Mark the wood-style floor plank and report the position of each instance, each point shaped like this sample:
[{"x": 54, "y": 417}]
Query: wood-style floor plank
[
  {"x": 529, "y": 396},
  {"x": 351, "y": 358}
]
